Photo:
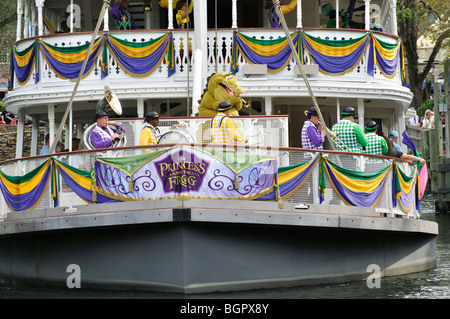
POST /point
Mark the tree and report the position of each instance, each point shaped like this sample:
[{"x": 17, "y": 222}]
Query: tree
[
  {"x": 8, "y": 18},
  {"x": 428, "y": 18}
]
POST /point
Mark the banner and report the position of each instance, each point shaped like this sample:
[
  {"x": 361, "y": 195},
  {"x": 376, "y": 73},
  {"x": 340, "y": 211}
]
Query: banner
[{"x": 185, "y": 172}]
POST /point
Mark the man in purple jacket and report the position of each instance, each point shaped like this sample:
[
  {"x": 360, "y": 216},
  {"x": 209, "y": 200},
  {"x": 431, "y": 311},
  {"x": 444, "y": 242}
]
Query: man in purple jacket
[
  {"x": 103, "y": 136},
  {"x": 312, "y": 136},
  {"x": 123, "y": 19}
]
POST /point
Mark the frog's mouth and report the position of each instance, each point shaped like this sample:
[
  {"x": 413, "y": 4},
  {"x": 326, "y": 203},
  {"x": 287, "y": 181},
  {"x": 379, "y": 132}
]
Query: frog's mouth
[{"x": 229, "y": 90}]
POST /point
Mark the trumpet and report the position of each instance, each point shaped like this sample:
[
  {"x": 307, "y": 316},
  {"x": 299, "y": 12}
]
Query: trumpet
[
  {"x": 244, "y": 102},
  {"x": 333, "y": 135}
]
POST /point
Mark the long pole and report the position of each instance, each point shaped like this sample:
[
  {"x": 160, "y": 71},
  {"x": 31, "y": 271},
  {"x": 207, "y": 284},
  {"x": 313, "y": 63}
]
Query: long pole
[
  {"x": 83, "y": 67},
  {"x": 297, "y": 60}
]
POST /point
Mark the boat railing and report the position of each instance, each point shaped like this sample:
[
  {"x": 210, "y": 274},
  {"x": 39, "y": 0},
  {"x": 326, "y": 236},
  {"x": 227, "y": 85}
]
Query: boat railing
[
  {"x": 48, "y": 71},
  {"x": 262, "y": 131},
  {"x": 303, "y": 178}
]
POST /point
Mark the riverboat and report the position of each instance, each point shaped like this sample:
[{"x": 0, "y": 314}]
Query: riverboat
[{"x": 191, "y": 216}]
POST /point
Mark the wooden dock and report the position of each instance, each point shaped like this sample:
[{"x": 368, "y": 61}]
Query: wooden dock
[{"x": 435, "y": 148}]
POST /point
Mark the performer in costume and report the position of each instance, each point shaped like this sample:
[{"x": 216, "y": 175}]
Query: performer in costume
[
  {"x": 312, "y": 137},
  {"x": 150, "y": 131},
  {"x": 183, "y": 13},
  {"x": 123, "y": 19},
  {"x": 375, "y": 144},
  {"x": 223, "y": 130},
  {"x": 102, "y": 136},
  {"x": 349, "y": 132},
  {"x": 274, "y": 19}
]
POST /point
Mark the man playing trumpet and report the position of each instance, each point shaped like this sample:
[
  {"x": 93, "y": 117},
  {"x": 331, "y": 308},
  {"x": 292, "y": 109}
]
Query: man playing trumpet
[
  {"x": 103, "y": 136},
  {"x": 313, "y": 133}
]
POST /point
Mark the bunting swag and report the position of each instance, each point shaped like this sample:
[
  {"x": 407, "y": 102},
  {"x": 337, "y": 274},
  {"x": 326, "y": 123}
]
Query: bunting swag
[
  {"x": 67, "y": 62},
  {"x": 291, "y": 178},
  {"x": 25, "y": 192},
  {"x": 141, "y": 59},
  {"x": 184, "y": 172},
  {"x": 275, "y": 53},
  {"x": 189, "y": 172},
  {"x": 404, "y": 188},
  {"x": 136, "y": 59},
  {"x": 387, "y": 57},
  {"x": 334, "y": 57},
  {"x": 23, "y": 62},
  {"x": 81, "y": 182},
  {"x": 357, "y": 188}
]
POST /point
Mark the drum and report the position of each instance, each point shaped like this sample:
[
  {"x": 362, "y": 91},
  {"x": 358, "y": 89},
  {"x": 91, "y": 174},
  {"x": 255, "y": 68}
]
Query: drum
[
  {"x": 88, "y": 143},
  {"x": 175, "y": 137}
]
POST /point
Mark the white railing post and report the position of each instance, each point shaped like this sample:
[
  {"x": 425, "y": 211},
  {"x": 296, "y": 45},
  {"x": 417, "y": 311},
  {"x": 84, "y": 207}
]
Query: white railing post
[
  {"x": 19, "y": 19},
  {"x": 367, "y": 14},
  {"x": 106, "y": 20},
  {"x": 299, "y": 15},
  {"x": 170, "y": 16},
  {"x": 234, "y": 14},
  {"x": 393, "y": 13}
]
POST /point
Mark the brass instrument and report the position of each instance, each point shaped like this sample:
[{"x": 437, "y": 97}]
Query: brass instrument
[
  {"x": 244, "y": 102},
  {"x": 332, "y": 134},
  {"x": 108, "y": 103}
]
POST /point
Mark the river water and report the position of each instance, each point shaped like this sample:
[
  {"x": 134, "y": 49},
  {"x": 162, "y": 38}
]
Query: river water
[{"x": 432, "y": 284}]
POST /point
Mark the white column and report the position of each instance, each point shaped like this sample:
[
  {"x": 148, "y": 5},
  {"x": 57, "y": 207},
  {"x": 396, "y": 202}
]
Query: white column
[
  {"x": 367, "y": 14},
  {"x": 338, "y": 110},
  {"x": 361, "y": 112},
  {"x": 401, "y": 126},
  {"x": 200, "y": 49},
  {"x": 51, "y": 122},
  {"x": 19, "y": 19},
  {"x": 26, "y": 19},
  {"x": 106, "y": 20},
  {"x": 234, "y": 14},
  {"x": 34, "y": 21},
  {"x": 170, "y": 17},
  {"x": 20, "y": 134},
  {"x": 299, "y": 15},
  {"x": 337, "y": 14},
  {"x": 34, "y": 136},
  {"x": 393, "y": 12},
  {"x": 140, "y": 107},
  {"x": 147, "y": 19},
  {"x": 40, "y": 17},
  {"x": 69, "y": 132},
  {"x": 268, "y": 105}
]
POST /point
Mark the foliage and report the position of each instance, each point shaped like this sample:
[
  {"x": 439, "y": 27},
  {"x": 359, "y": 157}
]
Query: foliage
[
  {"x": 429, "y": 19},
  {"x": 8, "y": 21}
]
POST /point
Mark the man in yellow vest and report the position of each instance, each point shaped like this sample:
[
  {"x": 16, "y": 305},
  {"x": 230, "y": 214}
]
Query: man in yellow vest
[
  {"x": 223, "y": 130},
  {"x": 150, "y": 131}
]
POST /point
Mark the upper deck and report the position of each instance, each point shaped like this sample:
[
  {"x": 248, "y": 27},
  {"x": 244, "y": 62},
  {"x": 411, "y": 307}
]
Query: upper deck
[{"x": 150, "y": 66}]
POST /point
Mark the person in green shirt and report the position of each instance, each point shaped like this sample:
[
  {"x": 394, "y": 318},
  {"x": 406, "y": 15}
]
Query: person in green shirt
[
  {"x": 350, "y": 134},
  {"x": 376, "y": 144}
]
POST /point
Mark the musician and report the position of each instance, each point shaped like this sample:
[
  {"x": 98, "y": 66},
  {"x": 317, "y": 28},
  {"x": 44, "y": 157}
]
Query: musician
[
  {"x": 223, "y": 130},
  {"x": 376, "y": 144},
  {"x": 350, "y": 133},
  {"x": 183, "y": 12},
  {"x": 103, "y": 136},
  {"x": 123, "y": 19},
  {"x": 150, "y": 131},
  {"x": 313, "y": 134},
  {"x": 274, "y": 19}
]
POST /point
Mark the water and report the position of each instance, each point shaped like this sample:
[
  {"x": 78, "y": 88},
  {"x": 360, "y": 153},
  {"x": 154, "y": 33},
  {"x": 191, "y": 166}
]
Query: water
[{"x": 432, "y": 284}]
